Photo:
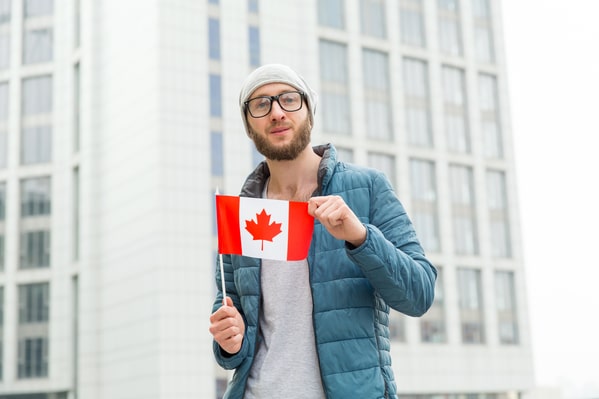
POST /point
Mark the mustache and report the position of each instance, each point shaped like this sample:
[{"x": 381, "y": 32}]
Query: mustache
[{"x": 279, "y": 125}]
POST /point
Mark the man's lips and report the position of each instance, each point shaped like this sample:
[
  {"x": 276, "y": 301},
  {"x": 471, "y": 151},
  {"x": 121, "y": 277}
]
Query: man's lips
[{"x": 278, "y": 130}]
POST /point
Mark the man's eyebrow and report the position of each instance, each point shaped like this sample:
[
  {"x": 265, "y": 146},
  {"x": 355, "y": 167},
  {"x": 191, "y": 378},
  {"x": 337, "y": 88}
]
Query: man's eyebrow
[{"x": 283, "y": 91}]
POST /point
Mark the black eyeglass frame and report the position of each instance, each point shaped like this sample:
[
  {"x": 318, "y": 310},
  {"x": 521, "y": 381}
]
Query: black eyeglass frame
[{"x": 275, "y": 98}]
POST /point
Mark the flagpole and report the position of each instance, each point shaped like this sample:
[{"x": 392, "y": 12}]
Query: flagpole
[
  {"x": 222, "y": 279},
  {"x": 222, "y": 269}
]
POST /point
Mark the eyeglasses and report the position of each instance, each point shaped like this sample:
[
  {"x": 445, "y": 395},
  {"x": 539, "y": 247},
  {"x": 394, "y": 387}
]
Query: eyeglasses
[{"x": 290, "y": 101}]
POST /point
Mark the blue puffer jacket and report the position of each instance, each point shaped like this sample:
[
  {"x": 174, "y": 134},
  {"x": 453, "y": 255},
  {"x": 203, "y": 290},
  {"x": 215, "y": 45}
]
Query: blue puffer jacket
[{"x": 352, "y": 288}]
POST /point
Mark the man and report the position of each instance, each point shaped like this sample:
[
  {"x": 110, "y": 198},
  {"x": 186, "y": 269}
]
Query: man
[{"x": 316, "y": 328}]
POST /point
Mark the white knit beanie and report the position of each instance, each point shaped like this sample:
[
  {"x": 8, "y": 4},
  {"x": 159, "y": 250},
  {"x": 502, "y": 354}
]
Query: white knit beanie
[{"x": 275, "y": 73}]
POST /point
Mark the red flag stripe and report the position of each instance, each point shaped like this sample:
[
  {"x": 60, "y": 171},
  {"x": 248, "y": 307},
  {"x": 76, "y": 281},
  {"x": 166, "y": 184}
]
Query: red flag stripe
[
  {"x": 301, "y": 225},
  {"x": 227, "y": 218}
]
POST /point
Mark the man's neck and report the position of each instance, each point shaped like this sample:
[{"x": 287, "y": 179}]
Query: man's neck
[{"x": 294, "y": 180}]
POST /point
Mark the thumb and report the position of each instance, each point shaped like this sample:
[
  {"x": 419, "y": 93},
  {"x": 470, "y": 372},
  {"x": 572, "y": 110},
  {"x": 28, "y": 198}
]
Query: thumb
[{"x": 228, "y": 302}]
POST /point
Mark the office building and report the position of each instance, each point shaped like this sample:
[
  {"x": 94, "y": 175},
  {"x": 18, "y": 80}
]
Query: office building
[{"x": 119, "y": 120}]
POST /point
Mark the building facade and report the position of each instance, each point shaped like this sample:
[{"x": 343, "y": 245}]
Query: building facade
[{"x": 119, "y": 120}]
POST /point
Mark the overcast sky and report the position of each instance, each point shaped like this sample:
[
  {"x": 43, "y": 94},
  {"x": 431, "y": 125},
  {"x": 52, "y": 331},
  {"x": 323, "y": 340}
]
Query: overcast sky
[{"x": 552, "y": 49}]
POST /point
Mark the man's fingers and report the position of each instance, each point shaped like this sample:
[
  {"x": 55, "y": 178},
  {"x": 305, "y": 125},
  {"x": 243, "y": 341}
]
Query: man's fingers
[
  {"x": 224, "y": 327},
  {"x": 329, "y": 210},
  {"x": 318, "y": 206},
  {"x": 224, "y": 312},
  {"x": 313, "y": 204}
]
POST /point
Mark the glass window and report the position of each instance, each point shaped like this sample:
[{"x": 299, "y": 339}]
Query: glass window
[
  {"x": 77, "y": 22},
  {"x": 37, "y": 45},
  {"x": 214, "y": 38},
  {"x": 34, "y": 314},
  {"x": 3, "y": 124},
  {"x": 76, "y": 107},
  {"x": 483, "y": 44},
  {"x": 490, "y": 116},
  {"x": 37, "y": 31},
  {"x": 74, "y": 340},
  {"x": 397, "y": 327},
  {"x": 76, "y": 215},
  {"x": 5, "y": 11},
  {"x": 33, "y": 358},
  {"x": 498, "y": 215},
  {"x": 2, "y": 203},
  {"x": 36, "y": 120},
  {"x": 36, "y": 8},
  {"x": 449, "y": 5},
  {"x": 254, "y": 45},
  {"x": 455, "y": 110},
  {"x": 4, "y": 48},
  {"x": 1, "y": 331},
  {"x": 37, "y": 95},
  {"x": 424, "y": 203},
  {"x": 417, "y": 102},
  {"x": 5, "y": 8},
  {"x": 35, "y": 223},
  {"x": 216, "y": 153},
  {"x": 345, "y": 154},
  {"x": 463, "y": 210},
  {"x": 2, "y": 231},
  {"x": 383, "y": 162},
  {"x": 36, "y": 145},
  {"x": 432, "y": 324},
  {"x": 411, "y": 20},
  {"x": 372, "y": 18},
  {"x": 336, "y": 70},
  {"x": 35, "y": 249},
  {"x": 331, "y": 13},
  {"x": 471, "y": 306},
  {"x": 253, "y": 6},
  {"x": 483, "y": 31},
  {"x": 34, "y": 303},
  {"x": 35, "y": 197},
  {"x": 215, "y": 96},
  {"x": 334, "y": 79},
  {"x": 450, "y": 40},
  {"x": 481, "y": 8},
  {"x": 376, "y": 95},
  {"x": 505, "y": 297}
]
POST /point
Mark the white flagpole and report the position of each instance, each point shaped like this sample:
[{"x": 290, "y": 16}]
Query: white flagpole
[
  {"x": 222, "y": 279},
  {"x": 222, "y": 270}
]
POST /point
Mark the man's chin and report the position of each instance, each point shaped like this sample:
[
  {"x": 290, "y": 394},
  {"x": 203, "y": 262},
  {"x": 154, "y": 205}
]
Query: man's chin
[
  {"x": 283, "y": 150},
  {"x": 281, "y": 155}
]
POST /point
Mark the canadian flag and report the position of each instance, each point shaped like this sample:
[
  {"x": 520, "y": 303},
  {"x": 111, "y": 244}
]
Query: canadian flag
[{"x": 263, "y": 228}]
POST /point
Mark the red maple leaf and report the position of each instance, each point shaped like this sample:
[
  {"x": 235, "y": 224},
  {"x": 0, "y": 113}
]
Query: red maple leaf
[{"x": 263, "y": 230}]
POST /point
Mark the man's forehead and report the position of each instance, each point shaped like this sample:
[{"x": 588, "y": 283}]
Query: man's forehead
[{"x": 272, "y": 89}]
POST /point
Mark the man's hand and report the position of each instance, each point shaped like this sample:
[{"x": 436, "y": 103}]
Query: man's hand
[
  {"x": 339, "y": 220},
  {"x": 227, "y": 327}
]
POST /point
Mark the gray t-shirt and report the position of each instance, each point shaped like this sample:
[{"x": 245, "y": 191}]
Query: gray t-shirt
[{"x": 286, "y": 363}]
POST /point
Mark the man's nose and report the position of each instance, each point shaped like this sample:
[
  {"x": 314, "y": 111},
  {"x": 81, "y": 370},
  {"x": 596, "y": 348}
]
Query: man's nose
[{"x": 276, "y": 111}]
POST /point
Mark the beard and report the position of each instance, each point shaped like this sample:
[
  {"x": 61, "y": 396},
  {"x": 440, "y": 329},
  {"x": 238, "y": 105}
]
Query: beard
[{"x": 285, "y": 153}]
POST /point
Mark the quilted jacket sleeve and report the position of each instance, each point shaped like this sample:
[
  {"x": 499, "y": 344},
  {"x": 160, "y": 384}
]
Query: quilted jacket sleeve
[{"x": 391, "y": 257}]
